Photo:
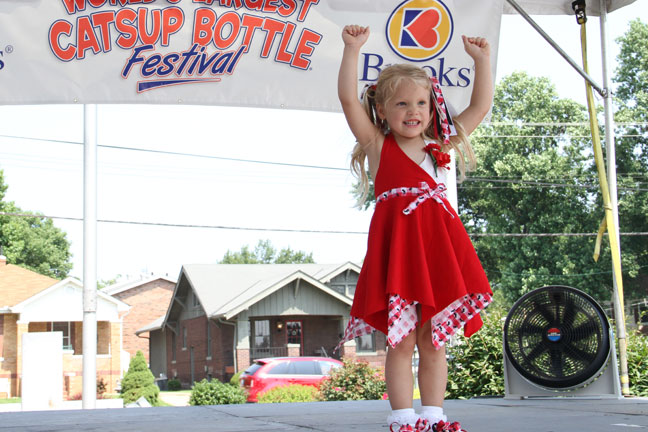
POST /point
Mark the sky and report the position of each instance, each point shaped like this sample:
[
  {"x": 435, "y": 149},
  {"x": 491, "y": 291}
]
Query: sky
[{"x": 185, "y": 209}]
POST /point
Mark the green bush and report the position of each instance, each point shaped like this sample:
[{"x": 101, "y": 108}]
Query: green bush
[
  {"x": 216, "y": 393},
  {"x": 235, "y": 379},
  {"x": 475, "y": 365},
  {"x": 174, "y": 384},
  {"x": 354, "y": 381},
  {"x": 139, "y": 381},
  {"x": 637, "y": 346},
  {"x": 289, "y": 393}
]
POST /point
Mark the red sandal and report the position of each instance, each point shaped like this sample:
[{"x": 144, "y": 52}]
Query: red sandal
[
  {"x": 422, "y": 425},
  {"x": 442, "y": 426}
]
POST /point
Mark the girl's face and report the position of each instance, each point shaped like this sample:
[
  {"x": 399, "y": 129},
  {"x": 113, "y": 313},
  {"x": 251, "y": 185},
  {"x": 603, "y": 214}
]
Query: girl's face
[{"x": 408, "y": 110}]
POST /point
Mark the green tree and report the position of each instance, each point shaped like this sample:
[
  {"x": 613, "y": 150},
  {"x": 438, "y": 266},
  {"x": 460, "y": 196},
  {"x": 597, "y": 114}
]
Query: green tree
[
  {"x": 32, "y": 242},
  {"x": 139, "y": 381},
  {"x": 103, "y": 283},
  {"x": 535, "y": 175},
  {"x": 631, "y": 75},
  {"x": 632, "y": 153},
  {"x": 265, "y": 253}
]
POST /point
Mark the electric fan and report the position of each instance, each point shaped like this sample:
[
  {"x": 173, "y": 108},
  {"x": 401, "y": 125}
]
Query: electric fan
[{"x": 558, "y": 342}]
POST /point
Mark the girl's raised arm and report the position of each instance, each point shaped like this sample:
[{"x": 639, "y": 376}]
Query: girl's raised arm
[
  {"x": 363, "y": 129},
  {"x": 482, "y": 93}
]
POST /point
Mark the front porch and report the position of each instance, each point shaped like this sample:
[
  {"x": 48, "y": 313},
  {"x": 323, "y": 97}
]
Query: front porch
[
  {"x": 287, "y": 336},
  {"x": 108, "y": 354}
]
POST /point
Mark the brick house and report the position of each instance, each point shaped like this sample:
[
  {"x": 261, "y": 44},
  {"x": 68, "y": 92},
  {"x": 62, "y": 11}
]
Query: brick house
[
  {"x": 148, "y": 298},
  {"x": 224, "y": 316},
  {"x": 30, "y": 302}
]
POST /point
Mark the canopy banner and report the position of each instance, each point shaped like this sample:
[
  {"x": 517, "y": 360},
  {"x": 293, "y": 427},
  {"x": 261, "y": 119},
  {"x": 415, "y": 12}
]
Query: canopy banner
[{"x": 255, "y": 53}]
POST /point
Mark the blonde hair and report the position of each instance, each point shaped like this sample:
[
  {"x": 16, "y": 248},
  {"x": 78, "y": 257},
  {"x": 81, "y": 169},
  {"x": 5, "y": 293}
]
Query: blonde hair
[{"x": 380, "y": 93}]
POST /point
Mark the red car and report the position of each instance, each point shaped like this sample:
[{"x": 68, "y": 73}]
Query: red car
[{"x": 267, "y": 373}]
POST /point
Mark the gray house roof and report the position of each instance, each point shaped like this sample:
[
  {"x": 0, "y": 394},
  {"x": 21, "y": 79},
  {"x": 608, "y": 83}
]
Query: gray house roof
[
  {"x": 225, "y": 290},
  {"x": 155, "y": 325}
]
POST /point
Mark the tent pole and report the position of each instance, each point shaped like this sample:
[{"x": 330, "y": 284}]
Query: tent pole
[
  {"x": 551, "y": 42},
  {"x": 619, "y": 310},
  {"x": 89, "y": 257}
]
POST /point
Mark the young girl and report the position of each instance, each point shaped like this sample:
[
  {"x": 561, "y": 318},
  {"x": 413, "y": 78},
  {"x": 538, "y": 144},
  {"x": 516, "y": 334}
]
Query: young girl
[{"x": 421, "y": 280}]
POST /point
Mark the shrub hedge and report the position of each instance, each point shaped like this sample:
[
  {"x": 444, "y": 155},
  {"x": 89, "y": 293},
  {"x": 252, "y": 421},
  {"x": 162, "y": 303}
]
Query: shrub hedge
[
  {"x": 174, "y": 384},
  {"x": 354, "y": 381},
  {"x": 637, "y": 347},
  {"x": 215, "y": 392},
  {"x": 475, "y": 364}
]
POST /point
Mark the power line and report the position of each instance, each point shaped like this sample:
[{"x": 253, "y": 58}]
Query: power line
[
  {"x": 565, "y": 135},
  {"x": 554, "y": 275},
  {"x": 184, "y": 154},
  {"x": 547, "y": 186},
  {"x": 294, "y": 165},
  {"x": 178, "y": 225},
  {"x": 224, "y": 227},
  {"x": 557, "y": 124},
  {"x": 585, "y": 175},
  {"x": 536, "y": 184},
  {"x": 550, "y": 234}
]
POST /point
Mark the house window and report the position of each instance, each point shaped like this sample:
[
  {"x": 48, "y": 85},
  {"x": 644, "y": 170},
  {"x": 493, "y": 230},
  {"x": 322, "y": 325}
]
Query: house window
[
  {"x": 63, "y": 327},
  {"x": 184, "y": 338},
  {"x": 366, "y": 343},
  {"x": 262, "y": 334},
  {"x": 294, "y": 332},
  {"x": 173, "y": 346},
  {"x": 195, "y": 301},
  {"x": 209, "y": 341}
]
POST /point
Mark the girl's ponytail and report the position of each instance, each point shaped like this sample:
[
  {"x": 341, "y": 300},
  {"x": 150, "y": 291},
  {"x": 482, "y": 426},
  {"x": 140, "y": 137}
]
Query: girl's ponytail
[{"x": 358, "y": 156}]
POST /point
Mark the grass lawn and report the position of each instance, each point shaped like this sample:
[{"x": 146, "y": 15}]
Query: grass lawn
[{"x": 10, "y": 400}]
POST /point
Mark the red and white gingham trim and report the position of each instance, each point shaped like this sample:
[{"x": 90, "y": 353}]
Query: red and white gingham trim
[
  {"x": 446, "y": 323},
  {"x": 356, "y": 328},
  {"x": 403, "y": 320},
  {"x": 422, "y": 193}
]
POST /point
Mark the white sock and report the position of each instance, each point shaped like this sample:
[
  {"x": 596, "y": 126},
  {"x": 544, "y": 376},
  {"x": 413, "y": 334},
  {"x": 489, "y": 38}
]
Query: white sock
[
  {"x": 403, "y": 416},
  {"x": 433, "y": 414}
]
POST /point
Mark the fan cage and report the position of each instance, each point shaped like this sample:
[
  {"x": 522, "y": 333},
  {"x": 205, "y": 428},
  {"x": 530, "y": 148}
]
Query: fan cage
[{"x": 557, "y": 337}]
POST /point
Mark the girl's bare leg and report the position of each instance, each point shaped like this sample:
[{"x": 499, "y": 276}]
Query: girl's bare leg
[
  {"x": 398, "y": 373},
  {"x": 433, "y": 369}
]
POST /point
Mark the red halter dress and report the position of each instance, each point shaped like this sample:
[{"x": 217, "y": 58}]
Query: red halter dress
[{"x": 418, "y": 253}]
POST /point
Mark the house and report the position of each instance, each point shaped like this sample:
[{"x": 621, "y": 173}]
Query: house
[
  {"x": 148, "y": 298},
  {"x": 30, "y": 302},
  {"x": 224, "y": 316}
]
